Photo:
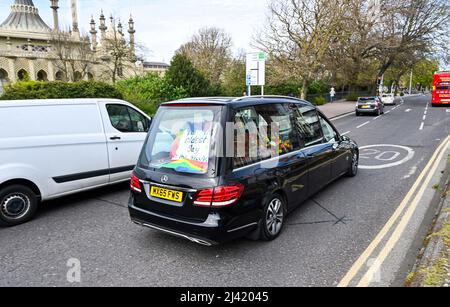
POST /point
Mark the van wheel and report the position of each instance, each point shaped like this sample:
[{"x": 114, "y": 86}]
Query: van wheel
[
  {"x": 272, "y": 221},
  {"x": 18, "y": 204},
  {"x": 353, "y": 170}
]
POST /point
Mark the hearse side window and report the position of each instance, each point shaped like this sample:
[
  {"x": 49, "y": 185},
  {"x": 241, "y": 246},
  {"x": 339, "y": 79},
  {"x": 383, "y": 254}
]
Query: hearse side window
[
  {"x": 308, "y": 125},
  {"x": 253, "y": 126},
  {"x": 126, "y": 120},
  {"x": 329, "y": 133}
]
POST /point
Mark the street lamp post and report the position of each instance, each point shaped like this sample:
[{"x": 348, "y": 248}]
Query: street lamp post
[{"x": 410, "y": 82}]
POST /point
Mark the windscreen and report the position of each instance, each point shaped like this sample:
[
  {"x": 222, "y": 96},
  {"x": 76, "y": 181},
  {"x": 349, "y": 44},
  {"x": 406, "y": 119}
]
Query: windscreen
[{"x": 183, "y": 140}]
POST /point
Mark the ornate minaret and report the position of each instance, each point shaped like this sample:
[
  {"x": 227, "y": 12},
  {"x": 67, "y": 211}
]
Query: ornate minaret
[
  {"x": 93, "y": 32},
  {"x": 55, "y": 6},
  {"x": 132, "y": 31},
  {"x": 103, "y": 26},
  {"x": 74, "y": 16},
  {"x": 120, "y": 28}
]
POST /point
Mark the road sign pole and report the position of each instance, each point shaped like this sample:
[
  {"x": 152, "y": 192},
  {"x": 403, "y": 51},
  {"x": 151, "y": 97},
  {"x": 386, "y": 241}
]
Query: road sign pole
[
  {"x": 249, "y": 90},
  {"x": 262, "y": 90}
]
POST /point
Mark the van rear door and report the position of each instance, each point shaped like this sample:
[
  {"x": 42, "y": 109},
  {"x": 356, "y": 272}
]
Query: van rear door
[{"x": 126, "y": 130}]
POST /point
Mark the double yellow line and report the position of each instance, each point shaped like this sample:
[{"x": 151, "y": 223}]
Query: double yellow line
[{"x": 410, "y": 205}]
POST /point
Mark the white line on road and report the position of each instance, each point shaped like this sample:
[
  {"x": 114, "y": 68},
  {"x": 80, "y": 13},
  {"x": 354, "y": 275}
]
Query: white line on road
[
  {"x": 345, "y": 133},
  {"x": 408, "y": 110},
  {"x": 360, "y": 126},
  {"x": 421, "y": 126},
  {"x": 340, "y": 117},
  {"x": 424, "y": 117}
]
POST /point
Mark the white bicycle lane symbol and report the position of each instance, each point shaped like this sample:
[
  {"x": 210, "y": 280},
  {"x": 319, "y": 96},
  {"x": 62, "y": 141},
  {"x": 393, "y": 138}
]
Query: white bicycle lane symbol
[{"x": 384, "y": 156}]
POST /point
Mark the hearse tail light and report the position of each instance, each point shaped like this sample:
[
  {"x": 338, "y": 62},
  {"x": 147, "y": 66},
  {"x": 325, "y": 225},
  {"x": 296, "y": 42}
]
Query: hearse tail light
[
  {"x": 135, "y": 184},
  {"x": 219, "y": 197}
]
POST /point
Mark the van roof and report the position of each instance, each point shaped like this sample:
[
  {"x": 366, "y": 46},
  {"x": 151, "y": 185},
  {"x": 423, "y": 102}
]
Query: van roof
[
  {"x": 239, "y": 102},
  {"x": 31, "y": 102}
]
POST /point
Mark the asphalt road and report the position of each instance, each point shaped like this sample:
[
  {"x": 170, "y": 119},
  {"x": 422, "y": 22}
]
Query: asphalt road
[{"x": 322, "y": 240}]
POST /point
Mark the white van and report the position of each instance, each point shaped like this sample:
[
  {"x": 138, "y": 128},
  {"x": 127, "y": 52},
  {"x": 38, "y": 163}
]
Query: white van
[{"x": 53, "y": 148}]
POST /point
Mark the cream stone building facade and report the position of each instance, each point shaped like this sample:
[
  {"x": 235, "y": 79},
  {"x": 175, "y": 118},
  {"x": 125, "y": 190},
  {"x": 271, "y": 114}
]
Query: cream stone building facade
[{"x": 29, "y": 48}]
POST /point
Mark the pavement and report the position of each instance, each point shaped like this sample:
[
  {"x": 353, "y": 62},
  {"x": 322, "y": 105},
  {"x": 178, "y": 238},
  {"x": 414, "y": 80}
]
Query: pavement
[
  {"x": 433, "y": 263},
  {"x": 321, "y": 245},
  {"x": 338, "y": 108}
]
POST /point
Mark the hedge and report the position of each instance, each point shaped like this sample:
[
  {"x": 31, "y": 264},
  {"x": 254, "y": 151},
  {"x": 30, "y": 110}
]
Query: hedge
[
  {"x": 59, "y": 90},
  {"x": 149, "y": 91}
]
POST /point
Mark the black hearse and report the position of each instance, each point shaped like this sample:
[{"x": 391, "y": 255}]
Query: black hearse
[{"x": 216, "y": 169}]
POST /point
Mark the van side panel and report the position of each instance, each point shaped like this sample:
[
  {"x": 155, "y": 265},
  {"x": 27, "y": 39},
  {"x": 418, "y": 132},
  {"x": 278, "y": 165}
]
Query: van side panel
[{"x": 60, "y": 147}]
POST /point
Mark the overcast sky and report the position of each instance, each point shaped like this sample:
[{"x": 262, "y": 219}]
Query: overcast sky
[{"x": 163, "y": 25}]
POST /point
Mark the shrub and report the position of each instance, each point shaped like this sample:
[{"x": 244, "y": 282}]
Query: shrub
[
  {"x": 59, "y": 90},
  {"x": 320, "y": 101},
  {"x": 149, "y": 91}
]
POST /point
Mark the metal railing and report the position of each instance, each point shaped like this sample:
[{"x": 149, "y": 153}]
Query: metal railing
[{"x": 338, "y": 96}]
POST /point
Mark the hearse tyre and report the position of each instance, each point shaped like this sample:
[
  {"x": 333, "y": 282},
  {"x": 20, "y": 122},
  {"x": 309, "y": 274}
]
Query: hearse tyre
[
  {"x": 353, "y": 171},
  {"x": 273, "y": 219}
]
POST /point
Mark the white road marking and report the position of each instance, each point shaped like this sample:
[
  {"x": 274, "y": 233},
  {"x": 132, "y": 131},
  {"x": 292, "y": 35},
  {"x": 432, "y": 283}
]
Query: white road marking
[
  {"x": 343, "y": 116},
  {"x": 345, "y": 133},
  {"x": 372, "y": 151},
  {"x": 411, "y": 172},
  {"x": 408, "y": 110},
  {"x": 388, "y": 112},
  {"x": 424, "y": 117},
  {"x": 422, "y": 126},
  {"x": 360, "y": 126}
]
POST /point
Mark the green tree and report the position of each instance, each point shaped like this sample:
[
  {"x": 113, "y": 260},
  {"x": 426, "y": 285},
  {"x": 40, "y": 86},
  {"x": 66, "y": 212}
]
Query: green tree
[
  {"x": 423, "y": 72},
  {"x": 183, "y": 74},
  {"x": 149, "y": 91},
  {"x": 234, "y": 79}
]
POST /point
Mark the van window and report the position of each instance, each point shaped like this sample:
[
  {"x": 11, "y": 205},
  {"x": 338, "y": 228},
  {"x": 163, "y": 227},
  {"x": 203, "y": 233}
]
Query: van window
[
  {"x": 308, "y": 125},
  {"x": 183, "y": 140},
  {"x": 138, "y": 121},
  {"x": 254, "y": 139},
  {"x": 126, "y": 119}
]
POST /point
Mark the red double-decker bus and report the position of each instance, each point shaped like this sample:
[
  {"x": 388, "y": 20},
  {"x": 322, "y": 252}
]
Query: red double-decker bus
[{"x": 441, "y": 89}]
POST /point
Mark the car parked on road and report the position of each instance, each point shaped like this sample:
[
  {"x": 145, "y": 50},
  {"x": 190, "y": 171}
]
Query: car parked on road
[
  {"x": 369, "y": 105},
  {"x": 53, "y": 148},
  {"x": 201, "y": 181},
  {"x": 388, "y": 99}
]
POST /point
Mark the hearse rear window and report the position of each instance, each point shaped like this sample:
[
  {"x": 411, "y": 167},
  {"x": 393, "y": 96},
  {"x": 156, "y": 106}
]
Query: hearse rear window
[{"x": 183, "y": 140}]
